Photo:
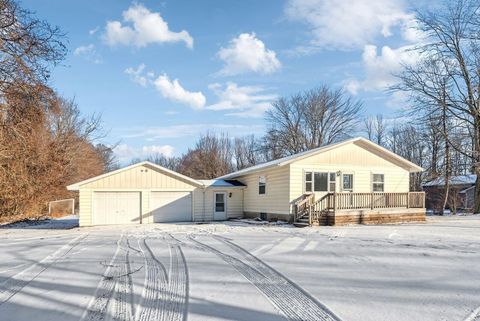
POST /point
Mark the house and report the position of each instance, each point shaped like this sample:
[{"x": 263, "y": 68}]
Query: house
[
  {"x": 354, "y": 181},
  {"x": 461, "y": 193}
]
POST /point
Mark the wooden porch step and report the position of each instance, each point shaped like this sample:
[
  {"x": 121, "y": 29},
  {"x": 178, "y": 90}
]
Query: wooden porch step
[{"x": 300, "y": 224}]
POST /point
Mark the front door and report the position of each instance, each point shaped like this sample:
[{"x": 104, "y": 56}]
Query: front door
[{"x": 220, "y": 206}]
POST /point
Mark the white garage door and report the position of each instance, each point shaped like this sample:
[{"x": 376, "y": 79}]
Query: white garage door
[
  {"x": 116, "y": 208},
  {"x": 171, "y": 206}
]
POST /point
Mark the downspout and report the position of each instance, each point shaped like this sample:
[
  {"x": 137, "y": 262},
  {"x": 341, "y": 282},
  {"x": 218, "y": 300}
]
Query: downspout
[{"x": 204, "y": 188}]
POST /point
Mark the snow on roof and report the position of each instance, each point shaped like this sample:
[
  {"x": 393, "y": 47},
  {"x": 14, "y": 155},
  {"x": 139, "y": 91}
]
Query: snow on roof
[
  {"x": 220, "y": 183},
  {"x": 454, "y": 180},
  {"x": 289, "y": 159}
]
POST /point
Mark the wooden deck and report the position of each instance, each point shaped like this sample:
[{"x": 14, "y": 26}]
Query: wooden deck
[{"x": 360, "y": 208}]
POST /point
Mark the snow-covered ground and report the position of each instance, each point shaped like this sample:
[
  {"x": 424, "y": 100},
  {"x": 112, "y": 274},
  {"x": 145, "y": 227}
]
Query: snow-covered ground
[{"x": 241, "y": 271}]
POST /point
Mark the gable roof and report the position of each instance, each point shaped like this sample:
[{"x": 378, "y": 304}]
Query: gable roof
[
  {"x": 468, "y": 179},
  {"x": 411, "y": 167},
  {"x": 76, "y": 186}
]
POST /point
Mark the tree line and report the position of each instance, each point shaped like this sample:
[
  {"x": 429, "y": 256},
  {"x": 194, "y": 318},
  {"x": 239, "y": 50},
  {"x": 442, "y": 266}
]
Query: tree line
[{"x": 45, "y": 142}]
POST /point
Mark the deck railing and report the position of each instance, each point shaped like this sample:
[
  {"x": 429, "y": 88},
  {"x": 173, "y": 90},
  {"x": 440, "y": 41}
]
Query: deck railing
[
  {"x": 351, "y": 201},
  {"x": 307, "y": 206}
]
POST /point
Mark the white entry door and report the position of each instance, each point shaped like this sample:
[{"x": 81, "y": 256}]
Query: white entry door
[
  {"x": 116, "y": 208},
  {"x": 220, "y": 206},
  {"x": 171, "y": 206}
]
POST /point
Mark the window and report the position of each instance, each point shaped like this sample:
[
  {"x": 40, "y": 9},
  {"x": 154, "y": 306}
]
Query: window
[
  {"x": 347, "y": 180},
  {"x": 320, "y": 182},
  {"x": 378, "y": 182},
  {"x": 261, "y": 184},
  {"x": 219, "y": 202},
  {"x": 332, "y": 182},
  {"x": 308, "y": 181}
]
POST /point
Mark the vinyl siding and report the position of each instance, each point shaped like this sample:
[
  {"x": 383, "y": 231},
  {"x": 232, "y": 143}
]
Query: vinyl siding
[
  {"x": 141, "y": 177},
  {"x": 234, "y": 203},
  {"x": 276, "y": 198},
  {"x": 85, "y": 207},
  {"x": 354, "y": 159}
]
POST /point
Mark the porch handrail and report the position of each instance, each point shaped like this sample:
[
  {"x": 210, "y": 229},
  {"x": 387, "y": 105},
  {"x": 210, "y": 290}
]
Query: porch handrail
[
  {"x": 302, "y": 206},
  {"x": 345, "y": 201}
]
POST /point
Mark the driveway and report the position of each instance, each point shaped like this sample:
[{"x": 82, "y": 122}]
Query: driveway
[{"x": 239, "y": 271}]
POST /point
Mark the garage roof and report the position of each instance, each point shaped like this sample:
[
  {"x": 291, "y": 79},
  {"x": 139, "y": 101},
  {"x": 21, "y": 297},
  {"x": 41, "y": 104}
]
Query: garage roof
[{"x": 76, "y": 186}]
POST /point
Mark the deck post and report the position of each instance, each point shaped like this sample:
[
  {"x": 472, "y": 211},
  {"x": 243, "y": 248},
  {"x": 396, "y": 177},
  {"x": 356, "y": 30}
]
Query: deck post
[
  {"x": 371, "y": 200},
  {"x": 408, "y": 200},
  {"x": 334, "y": 202}
]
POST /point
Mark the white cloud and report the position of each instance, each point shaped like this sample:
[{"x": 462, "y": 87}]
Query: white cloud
[
  {"x": 190, "y": 130},
  {"x": 380, "y": 69},
  {"x": 174, "y": 91},
  {"x": 351, "y": 24},
  {"x": 89, "y": 52},
  {"x": 165, "y": 150},
  {"x": 137, "y": 75},
  {"x": 242, "y": 101},
  {"x": 142, "y": 27},
  {"x": 126, "y": 152},
  {"x": 169, "y": 89},
  {"x": 247, "y": 53},
  {"x": 93, "y": 31}
]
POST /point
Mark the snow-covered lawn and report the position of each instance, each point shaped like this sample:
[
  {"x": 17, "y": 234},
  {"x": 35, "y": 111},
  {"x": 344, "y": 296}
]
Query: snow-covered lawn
[{"x": 240, "y": 271}]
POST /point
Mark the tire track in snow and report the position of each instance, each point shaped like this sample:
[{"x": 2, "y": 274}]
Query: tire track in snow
[
  {"x": 153, "y": 296},
  {"x": 474, "y": 316},
  {"x": 114, "y": 283},
  {"x": 165, "y": 295},
  {"x": 123, "y": 292},
  {"x": 17, "y": 282},
  {"x": 177, "y": 284},
  {"x": 289, "y": 298}
]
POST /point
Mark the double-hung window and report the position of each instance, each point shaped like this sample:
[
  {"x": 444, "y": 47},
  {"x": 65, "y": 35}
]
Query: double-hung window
[
  {"x": 262, "y": 185},
  {"x": 378, "y": 182},
  {"x": 320, "y": 182},
  {"x": 347, "y": 182}
]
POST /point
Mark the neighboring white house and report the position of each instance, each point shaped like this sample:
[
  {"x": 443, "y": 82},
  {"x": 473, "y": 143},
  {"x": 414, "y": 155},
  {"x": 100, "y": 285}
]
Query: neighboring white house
[{"x": 146, "y": 193}]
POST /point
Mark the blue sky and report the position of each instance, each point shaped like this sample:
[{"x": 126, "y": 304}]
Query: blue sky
[{"x": 161, "y": 72}]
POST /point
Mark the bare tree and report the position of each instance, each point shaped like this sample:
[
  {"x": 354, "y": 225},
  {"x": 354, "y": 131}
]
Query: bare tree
[
  {"x": 247, "y": 152},
  {"x": 311, "y": 119},
  {"x": 171, "y": 163},
  {"x": 28, "y": 46},
  {"x": 211, "y": 157},
  {"x": 448, "y": 74},
  {"x": 376, "y": 129}
]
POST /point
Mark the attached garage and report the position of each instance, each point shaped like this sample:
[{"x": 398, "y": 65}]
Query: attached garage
[
  {"x": 147, "y": 193},
  {"x": 171, "y": 206}
]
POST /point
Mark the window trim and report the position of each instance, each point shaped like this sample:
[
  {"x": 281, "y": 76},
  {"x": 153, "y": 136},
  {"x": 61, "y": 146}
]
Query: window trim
[
  {"x": 329, "y": 181},
  {"x": 264, "y": 184},
  {"x": 378, "y": 182},
  {"x": 305, "y": 182},
  {"x": 353, "y": 181},
  {"x": 225, "y": 196}
]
